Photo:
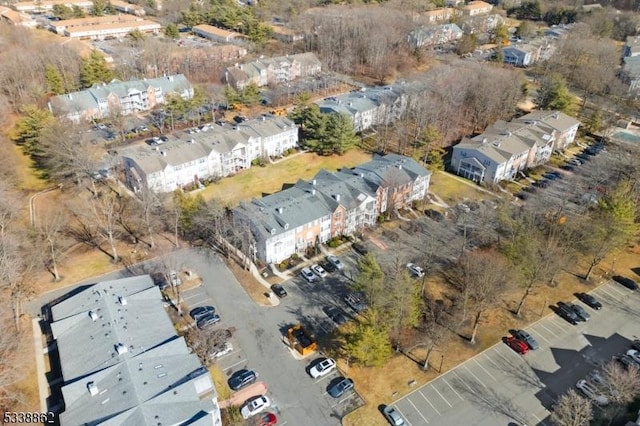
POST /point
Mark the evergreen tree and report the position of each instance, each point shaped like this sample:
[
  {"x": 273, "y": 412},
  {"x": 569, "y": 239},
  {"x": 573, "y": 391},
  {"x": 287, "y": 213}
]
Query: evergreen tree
[
  {"x": 554, "y": 94},
  {"x": 172, "y": 32},
  {"x": 312, "y": 124},
  {"x": 77, "y": 11},
  {"x": 54, "y": 80},
  {"x": 339, "y": 135},
  {"x": 231, "y": 96},
  {"x": 250, "y": 95},
  {"x": 136, "y": 35},
  {"x": 30, "y": 126},
  {"x": 369, "y": 344},
  {"x": 95, "y": 70}
]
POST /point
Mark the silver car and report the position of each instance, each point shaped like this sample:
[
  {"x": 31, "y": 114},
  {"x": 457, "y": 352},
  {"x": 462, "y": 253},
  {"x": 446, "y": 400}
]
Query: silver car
[
  {"x": 335, "y": 262},
  {"x": 308, "y": 275},
  {"x": 393, "y": 416}
]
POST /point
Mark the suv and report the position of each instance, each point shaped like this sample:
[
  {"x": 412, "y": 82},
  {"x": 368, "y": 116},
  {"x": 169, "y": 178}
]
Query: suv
[
  {"x": 207, "y": 321},
  {"x": 335, "y": 262},
  {"x": 360, "y": 249},
  {"x": 627, "y": 282},
  {"x": 308, "y": 275},
  {"x": 580, "y": 312},
  {"x": 567, "y": 313},
  {"x": 241, "y": 379}
]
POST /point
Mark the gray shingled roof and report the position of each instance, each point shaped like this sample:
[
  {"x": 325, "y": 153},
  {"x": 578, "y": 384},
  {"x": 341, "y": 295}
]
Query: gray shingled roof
[
  {"x": 115, "y": 338},
  {"x": 266, "y": 126},
  {"x": 554, "y": 119}
]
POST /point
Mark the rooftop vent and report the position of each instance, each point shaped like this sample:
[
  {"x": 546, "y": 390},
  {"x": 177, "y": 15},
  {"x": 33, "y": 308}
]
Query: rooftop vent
[
  {"x": 337, "y": 197},
  {"x": 485, "y": 140},
  {"x": 122, "y": 300},
  {"x": 313, "y": 182},
  {"x": 313, "y": 192},
  {"x": 164, "y": 153},
  {"x": 280, "y": 210},
  {"x": 93, "y": 389},
  {"x": 93, "y": 315},
  {"x": 191, "y": 141},
  {"x": 121, "y": 349}
]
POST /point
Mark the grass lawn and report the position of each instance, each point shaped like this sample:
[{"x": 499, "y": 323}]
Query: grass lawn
[
  {"x": 453, "y": 189},
  {"x": 269, "y": 179}
]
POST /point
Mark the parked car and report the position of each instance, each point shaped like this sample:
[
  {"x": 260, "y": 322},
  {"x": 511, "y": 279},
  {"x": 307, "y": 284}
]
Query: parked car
[
  {"x": 434, "y": 215},
  {"x": 279, "y": 291},
  {"x": 626, "y": 361},
  {"x": 635, "y": 355},
  {"x": 636, "y": 344},
  {"x": 319, "y": 270},
  {"x": 415, "y": 270},
  {"x": 242, "y": 378},
  {"x": 340, "y": 387},
  {"x": 268, "y": 419},
  {"x": 360, "y": 249},
  {"x": 335, "y": 262},
  {"x": 589, "y": 300},
  {"x": 526, "y": 338},
  {"x": 568, "y": 167},
  {"x": 335, "y": 314},
  {"x": 580, "y": 312},
  {"x": 201, "y": 312},
  {"x": 567, "y": 313},
  {"x": 627, "y": 282},
  {"x": 221, "y": 350},
  {"x": 542, "y": 183},
  {"x": 254, "y": 406},
  {"x": 553, "y": 175},
  {"x": 308, "y": 275},
  {"x": 208, "y": 321},
  {"x": 322, "y": 368},
  {"x": 393, "y": 416},
  {"x": 355, "y": 302},
  {"x": 595, "y": 378},
  {"x": 517, "y": 345},
  {"x": 590, "y": 392}
]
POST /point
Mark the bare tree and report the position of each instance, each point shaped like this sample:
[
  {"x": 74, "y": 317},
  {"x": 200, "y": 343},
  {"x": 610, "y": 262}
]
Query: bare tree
[
  {"x": 619, "y": 385},
  {"x": 50, "y": 230},
  {"x": 103, "y": 214},
  {"x": 11, "y": 370},
  {"x": 17, "y": 263},
  {"x": 482, "y": 276},
  {"x": 572, "y": 410}
]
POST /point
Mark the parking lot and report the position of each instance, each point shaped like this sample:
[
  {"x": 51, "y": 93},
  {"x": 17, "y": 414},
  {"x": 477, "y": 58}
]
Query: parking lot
[{"x": 499, "y": 386}]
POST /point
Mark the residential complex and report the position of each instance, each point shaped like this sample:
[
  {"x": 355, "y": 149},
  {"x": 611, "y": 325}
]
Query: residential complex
[
  {"x": 630, "y": 72},
  {"x": 434, "y": 35},
  {"x": 218, "y": 34},
  {"x": 123, "y": 363},
  {"x": 474, "y": 8},
  {"x": 119, "y": 97},
  {"x": 279, "y": 69},
  {"x": 214, "y": 151},
  {"x": 371, "y": 106},
  {"x": 539, "y": 48},
  {"x": 46, "y": 6},
  {"x": 331, "y": 204},
  {"x": 506, "y": 148}
]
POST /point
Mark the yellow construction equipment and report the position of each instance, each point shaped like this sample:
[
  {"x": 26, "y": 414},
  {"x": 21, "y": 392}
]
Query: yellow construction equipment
[{"x": 301, "y": 340}]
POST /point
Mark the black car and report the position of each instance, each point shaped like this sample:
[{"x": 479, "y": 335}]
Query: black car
[
  {"x": 522, "y": 195},
  {"x": 567, "y": 313},
  {"x": 340, "y": 387},
  {"x": 636, "y": 344},
  {"x": 201, "y": 312},
  {"x": 580, "y": 312},
  {"x": 279, "y": 291},
  {"x": 335, "y": 314},
  {"x": 360, "y": 249},
  {"x": 329, "y": 267},
  {"x": 542, "y": 183},
  {"x": 589, "y": 300},
  {"x": 241, "y": 379},
  {"x": 434, "y": 215},
  {"x": 553, "y": 175},
  {"x": 627, "y": 282},
  {"x": 568, "y": 167},
  {"x": 208, "y": 320}
]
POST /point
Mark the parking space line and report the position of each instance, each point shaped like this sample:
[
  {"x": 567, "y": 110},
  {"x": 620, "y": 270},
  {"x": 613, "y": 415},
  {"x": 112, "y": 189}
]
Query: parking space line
[
  {"x": 451, "y": 387},
  {"x": 419, "y": 412},
  {"x": 235, "y": 363},
  {"x": 613, "y": 296},
  {"x": 551, "y": 332},
  {"x": 429, "y": 402},
  {"x": 443, "y": 398},
  {"x": 486, "y": 355},
  {"x": 463, "y": 382},
  {"x": 476, "y": 377},
  {"x": 402, "y": 414},
  {"x": 619, "y": 291},
  {"x": 191, "y": 297},
  {"x": 552, "y": 322},
  {"x": 538, "y": 334},
  {"x": 485, "y": 370}
]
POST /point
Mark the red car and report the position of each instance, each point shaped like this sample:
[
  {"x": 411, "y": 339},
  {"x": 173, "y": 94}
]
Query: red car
[
  {"x": 517, "y": 345},
  {"x": 268, "y": 419}
]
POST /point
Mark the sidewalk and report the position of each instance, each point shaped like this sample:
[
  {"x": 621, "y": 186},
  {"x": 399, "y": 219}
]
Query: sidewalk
[{"x": 43, "y": 386}]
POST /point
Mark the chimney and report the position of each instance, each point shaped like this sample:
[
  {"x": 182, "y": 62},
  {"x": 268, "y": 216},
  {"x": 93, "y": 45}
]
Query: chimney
[
  {"x": 93, "y": 315},
  {"x": 191, "y": 141},
  {"x": 264, "y": 118},
  {"x": 164, "y": 154},
  {"x": 313, "y": 192},
  {"x": 279, "y": 210},
  {"x": 313, "y": 182},
  {"x": 70, "y": 97},
  {"x": 337, "y": 197},
  {"x": 93, "y": 389},
  {"x": 122, "y": 300}
]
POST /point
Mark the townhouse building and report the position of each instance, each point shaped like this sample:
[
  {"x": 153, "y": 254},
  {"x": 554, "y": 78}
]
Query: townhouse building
[
  {"x": 440, "y": 15},
  {"x": 474, "y": 8},
  {"x": 274, "y": 70},
  {"x": 119, "y": 97},
  {"x": 506, "y": 148},
  {"x": 630, "y": 72},
  {"x": 434, "y": 35},
  {"x": 331, "y": 204},
  {"x": 101, "y": 27},
  {"x": 218, "y": 34},
  {"x": 187, "y": 158},
  {"x": 46, "y": 6}
]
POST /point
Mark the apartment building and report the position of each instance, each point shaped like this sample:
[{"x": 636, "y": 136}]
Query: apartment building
[
  {"x": 119, "y": 97},
  {"x": 331, "y": 204},
  {"x": 275, "y": 70},
  {"x": 218, "y": 34},
  {"x": 186, "y": 158}
]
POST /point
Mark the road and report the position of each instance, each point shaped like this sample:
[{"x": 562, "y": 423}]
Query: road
[
  {"x": 296, "y": 397},
  {"x": 499, "y": 386}
]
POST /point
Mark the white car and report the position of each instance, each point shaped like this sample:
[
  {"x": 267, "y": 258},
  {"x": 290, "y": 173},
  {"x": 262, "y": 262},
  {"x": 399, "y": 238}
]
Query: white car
[
  {"x": 254, "y": 406},
  {"x": 335, "y": 262},
  {"x": 174, "y": 278},
  {"x": 415, "y": 270},
  {"x": 318, "y": 270},
  {"x": 308, "y": 275},
  {"x": 222, "y": 350},
  {"x": 590, "y": 392},
  {"x": 324, "y": 367},
  {"x": 635, "y": 355}
]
